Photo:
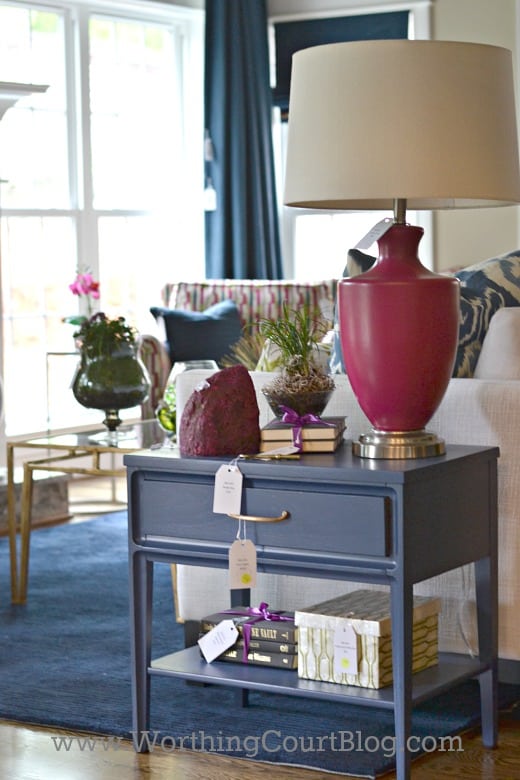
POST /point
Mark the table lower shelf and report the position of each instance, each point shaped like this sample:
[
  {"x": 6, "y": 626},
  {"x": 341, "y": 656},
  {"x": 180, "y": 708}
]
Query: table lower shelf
[{"x": 188, "y": 664}]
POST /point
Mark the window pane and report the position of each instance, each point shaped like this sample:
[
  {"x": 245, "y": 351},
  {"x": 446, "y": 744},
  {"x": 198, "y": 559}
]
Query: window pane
[
  {"x": 135, "y": 114},
  {"x": 131, "y": 265},
  {"x": 33, "y": 134},
  {"x": 322, "y": 241},
  {"x": 35, "y": 168},
  {"x": 136, "y": 259},
  {"x": 36, "y": 255}
]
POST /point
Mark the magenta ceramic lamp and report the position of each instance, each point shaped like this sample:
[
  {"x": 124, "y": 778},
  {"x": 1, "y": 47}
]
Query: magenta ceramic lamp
[{"x": 390, "y": 125}]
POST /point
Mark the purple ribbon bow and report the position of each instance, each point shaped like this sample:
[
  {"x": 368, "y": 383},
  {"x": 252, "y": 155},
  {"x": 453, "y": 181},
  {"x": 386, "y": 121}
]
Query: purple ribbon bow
[
  {"x": 298, "y": 421},
  {"x": 257, "y": 614}
]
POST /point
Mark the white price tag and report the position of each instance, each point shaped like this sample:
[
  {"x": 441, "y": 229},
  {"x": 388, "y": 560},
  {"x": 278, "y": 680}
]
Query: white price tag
[
  {"x": 227, "y": 497},
  {"x": 345, "y": 650},
  {"x": 375, "y": 233},
  {"x": 218, "y": 640},
  {"x": 289, "y": 449},
  {"x": 242, "y": 564}
]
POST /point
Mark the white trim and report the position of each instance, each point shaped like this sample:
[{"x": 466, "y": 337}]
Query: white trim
[
  {"x": 160, "y": 11},
  {"x": 358, "y": 8}
]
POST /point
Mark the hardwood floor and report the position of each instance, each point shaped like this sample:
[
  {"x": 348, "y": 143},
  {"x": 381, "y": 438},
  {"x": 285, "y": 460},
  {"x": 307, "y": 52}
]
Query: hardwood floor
[
  {"x": 34, "y": 753},
  {"x": 31, "y": 753}
]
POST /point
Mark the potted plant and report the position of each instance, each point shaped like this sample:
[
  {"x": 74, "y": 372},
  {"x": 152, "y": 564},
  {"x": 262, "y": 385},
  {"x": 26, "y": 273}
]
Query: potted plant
[{"x": 301, "y": 383}]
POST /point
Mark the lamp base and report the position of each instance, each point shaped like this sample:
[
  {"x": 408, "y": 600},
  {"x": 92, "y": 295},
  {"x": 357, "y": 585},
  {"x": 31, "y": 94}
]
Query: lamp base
[{"x": 396, "y": 445}]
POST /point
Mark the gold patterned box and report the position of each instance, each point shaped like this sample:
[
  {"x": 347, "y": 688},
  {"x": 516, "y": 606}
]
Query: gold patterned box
[{"x": 348, "y": 639}]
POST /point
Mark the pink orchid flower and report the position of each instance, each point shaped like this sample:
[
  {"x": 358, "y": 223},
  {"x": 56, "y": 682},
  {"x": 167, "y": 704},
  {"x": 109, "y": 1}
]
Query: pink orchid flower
[{"x": 84, "y": 284}]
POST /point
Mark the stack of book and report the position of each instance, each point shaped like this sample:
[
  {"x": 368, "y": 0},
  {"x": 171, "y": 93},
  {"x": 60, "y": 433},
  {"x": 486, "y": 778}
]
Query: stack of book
[
  {"x": 272, "y": 642},
  {"x": 325, "y": 436}
]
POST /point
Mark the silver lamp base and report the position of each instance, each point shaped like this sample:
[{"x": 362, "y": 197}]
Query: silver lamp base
[{"x": 397, "y": 445}]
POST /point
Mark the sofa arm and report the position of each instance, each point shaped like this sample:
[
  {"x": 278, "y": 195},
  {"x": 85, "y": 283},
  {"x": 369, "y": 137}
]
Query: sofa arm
[{"x": 156, "y": 360}]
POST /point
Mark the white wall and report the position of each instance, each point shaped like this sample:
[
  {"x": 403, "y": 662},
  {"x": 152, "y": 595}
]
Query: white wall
[{"x": 466, "y": 237}]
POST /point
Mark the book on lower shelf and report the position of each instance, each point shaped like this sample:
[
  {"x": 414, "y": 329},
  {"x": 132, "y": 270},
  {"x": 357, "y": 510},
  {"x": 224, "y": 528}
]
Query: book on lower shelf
[
  {"x": 278, "y": 630},
  {"x": 260, "y": 658},
  {"x": 262, "y": 652},
  {"x": 267, "y": 646},
  {"x": 271, "y": 636}
]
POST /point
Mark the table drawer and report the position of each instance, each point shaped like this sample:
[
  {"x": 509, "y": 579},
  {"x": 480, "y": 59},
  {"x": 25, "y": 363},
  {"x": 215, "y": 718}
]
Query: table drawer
[
  {"x": 337, "y": 522},
  {"x": 355, "y": 524}
]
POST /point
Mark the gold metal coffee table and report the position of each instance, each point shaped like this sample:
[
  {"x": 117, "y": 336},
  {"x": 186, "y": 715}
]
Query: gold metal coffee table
[{"x": 67, "y": 454}]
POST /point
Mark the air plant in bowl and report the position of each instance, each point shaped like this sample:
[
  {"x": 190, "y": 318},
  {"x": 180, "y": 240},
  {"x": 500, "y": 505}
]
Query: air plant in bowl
[{"x": 302, "y": 382}]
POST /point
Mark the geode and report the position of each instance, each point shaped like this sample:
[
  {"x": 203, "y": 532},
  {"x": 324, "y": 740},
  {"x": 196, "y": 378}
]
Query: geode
[{"x": 221, "y": 417}]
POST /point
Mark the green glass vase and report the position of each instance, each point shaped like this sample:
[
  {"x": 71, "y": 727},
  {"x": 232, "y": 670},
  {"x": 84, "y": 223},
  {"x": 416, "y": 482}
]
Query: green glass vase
[{"x": 111, "y": 381}]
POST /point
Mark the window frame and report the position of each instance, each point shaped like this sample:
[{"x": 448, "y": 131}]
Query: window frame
[
  {"x": 420, "y": 26},
  {"x": 186, "y": 23}
]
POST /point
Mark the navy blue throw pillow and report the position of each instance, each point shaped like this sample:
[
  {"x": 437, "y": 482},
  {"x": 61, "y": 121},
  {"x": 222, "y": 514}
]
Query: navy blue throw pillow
[
  {"x": 357, "y": 263},
  {"x": 200, "y": 335}
]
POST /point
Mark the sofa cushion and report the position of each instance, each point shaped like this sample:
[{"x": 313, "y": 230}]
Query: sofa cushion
[
  {"x": 500, "y": 354},
  {"x": 194, "y": 335}
]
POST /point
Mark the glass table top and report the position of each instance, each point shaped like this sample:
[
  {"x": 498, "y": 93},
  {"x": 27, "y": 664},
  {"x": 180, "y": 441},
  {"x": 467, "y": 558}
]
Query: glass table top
[{"x": 129, "y": 436}]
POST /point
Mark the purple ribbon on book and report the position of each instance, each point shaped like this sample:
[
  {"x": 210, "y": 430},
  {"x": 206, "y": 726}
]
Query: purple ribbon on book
[
  {"x": 298, "y": 421},
  {"x": 257, "y": 614}
]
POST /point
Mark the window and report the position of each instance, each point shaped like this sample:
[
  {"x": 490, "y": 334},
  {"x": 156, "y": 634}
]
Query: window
[
  {"x": 314, "y": 242},
  {"x": 102, "y": 172}
]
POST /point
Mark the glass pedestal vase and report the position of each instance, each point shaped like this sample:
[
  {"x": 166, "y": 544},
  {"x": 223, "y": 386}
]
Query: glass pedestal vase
[{"x": 111, "y": 382}]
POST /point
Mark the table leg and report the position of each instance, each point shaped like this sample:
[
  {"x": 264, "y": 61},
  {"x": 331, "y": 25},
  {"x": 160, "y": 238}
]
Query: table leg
[
  {"x": 11, "y": 521},
  {"x": 141, "y": 590},
  {"x": 241, "y": 597},
  {"x": 487, "y": 612},
  {"x": 402, "y": 616},
  {"x": 25, "y": 531}
]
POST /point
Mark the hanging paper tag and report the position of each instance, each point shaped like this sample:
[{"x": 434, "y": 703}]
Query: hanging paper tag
[
  {"x": 375, "y": 233},
  {"x": 345, "y": 650},
  {"x": 227, "y": 497},
  {"x": 218, "y": 640},
  {"x": 242, "y": 564}
]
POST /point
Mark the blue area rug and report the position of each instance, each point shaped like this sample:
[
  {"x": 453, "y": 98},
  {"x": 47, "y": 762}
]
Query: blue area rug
[{"x": 64, "y": 662}]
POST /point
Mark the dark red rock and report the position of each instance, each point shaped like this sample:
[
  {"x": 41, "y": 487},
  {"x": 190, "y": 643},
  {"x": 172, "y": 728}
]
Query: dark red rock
[{"x": 221, "y": 417}]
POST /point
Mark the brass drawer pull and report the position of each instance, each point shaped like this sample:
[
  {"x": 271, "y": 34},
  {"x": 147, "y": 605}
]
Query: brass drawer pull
[{"x": 257, "y": 519}]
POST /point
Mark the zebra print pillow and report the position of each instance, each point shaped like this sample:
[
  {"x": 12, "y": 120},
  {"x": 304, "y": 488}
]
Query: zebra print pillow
[
  {"x": 501, "y": 274},
  {"x": 476, "y": 311},
  {"x": 485, "y": 288}
]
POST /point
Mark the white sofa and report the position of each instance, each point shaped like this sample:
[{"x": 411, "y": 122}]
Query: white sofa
[{"x": 481, "y": 411}]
